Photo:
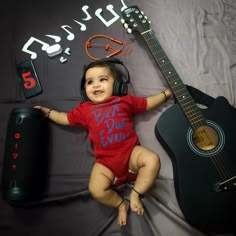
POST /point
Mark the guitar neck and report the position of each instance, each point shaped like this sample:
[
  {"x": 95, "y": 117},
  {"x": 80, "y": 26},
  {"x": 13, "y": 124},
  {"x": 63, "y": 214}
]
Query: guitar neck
[{"x": 182, "y": 95}]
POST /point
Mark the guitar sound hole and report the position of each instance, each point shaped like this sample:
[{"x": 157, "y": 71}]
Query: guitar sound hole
[{"x": 205, "y": 138}]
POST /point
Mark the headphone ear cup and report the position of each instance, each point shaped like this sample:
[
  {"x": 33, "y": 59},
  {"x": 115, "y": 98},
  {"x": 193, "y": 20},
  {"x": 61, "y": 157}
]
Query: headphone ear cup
[
  {"x": 124, "y": 89},
  {"x": 120, "y": 88},
  {"x": 83, "y": 93},
  {"x": 117, "y": 87},
  {"x": 84, "y": 96}
]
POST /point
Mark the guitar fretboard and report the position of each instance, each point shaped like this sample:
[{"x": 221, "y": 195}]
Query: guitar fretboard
[{"x": 182, "y": 95}]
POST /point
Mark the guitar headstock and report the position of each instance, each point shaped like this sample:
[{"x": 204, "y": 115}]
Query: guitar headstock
[{"x": 134, "y": 20}]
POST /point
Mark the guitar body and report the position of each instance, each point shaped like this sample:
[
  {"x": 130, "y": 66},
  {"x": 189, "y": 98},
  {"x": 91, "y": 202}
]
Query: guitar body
[{"x": 195, "y": 175}]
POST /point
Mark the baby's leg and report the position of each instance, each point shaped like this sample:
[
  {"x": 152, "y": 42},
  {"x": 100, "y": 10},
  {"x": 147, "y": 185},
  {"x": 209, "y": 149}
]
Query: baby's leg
[
  {"x": 147, "y": 164},
  {"x": 100, "y": 187}
]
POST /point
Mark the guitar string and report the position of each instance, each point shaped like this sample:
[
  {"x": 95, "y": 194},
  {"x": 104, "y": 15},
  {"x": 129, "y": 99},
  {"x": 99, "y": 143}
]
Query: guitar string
[
  {"x": 224, "y": 161},
  {"x": 216, "y": 162},
  {"x": 225, "y": 173}
]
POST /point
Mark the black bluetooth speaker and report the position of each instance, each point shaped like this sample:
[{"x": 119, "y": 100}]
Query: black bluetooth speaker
[{"x": 25, "y": 164}]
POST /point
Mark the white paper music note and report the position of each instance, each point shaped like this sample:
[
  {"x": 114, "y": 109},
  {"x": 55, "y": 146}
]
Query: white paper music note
[
  {"x": 84, "y": 9},
  {"x": 82, "y": 26},
  {"x": 110, "y": 22},
  {"x": 55, "y": 37},
  {"x": 124, "y": 6},
  {"x": 29, "y": 42},
  {"x": 70, "y": 36}
]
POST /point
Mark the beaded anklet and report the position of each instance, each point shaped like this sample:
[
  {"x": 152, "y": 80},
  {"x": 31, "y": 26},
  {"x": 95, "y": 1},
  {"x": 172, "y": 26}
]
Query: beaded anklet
[{"x": 139, "y": 194}]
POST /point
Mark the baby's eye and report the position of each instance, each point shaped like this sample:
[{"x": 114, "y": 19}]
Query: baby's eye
[
  {"x": 89, "y": 82},
  {"x": 103, "y": 79}
]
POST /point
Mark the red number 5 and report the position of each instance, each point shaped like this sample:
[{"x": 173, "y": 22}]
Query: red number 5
[{"x": 29, "y": 81}]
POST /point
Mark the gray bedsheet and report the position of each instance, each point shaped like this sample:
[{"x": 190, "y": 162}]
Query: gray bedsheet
[{"x": 199, "y": 37}]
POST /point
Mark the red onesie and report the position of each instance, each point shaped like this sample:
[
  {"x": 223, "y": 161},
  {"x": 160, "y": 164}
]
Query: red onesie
[{"x": 111, "y": 131}]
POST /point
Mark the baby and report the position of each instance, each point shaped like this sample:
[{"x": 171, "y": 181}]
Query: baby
[{"x": 108, "y": 117}]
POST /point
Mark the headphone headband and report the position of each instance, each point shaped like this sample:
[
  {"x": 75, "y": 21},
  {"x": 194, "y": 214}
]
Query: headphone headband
[{"x": 120, "y": 87}]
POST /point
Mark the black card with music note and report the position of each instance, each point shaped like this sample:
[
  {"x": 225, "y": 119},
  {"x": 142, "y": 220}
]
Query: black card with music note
[{"x": 28, "y": 78}]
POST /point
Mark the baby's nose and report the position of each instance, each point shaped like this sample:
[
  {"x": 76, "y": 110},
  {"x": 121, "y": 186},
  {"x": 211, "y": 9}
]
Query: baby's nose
[{"x": 96, "y": 84}]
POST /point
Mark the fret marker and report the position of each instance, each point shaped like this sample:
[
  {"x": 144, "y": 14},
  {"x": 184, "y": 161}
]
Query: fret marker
[
  {"x": 176, "y": 83},
  {"x": 169, "y": 72},
  {"x": 163, "y": 61},
  {"x": 183, "y": 96}
]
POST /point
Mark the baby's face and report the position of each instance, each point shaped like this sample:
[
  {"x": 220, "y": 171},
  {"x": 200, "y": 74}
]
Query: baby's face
[{"x": 99, "y": 83}]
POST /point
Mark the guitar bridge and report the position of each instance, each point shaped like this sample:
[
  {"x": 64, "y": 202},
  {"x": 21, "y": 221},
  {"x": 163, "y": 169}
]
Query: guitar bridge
[{"x": 227, "y": 185}]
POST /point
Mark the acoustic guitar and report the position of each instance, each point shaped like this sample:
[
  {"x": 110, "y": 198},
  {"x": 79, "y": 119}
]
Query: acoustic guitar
[{"x": 201, "y": 143}]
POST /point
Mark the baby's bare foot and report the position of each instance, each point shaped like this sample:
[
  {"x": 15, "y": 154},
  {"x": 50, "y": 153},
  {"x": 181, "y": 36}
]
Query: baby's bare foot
[
  {"x": 122, "y": 213},
  {"x": 135, "y": 203}
]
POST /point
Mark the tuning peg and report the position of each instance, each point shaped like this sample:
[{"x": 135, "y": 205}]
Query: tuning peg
[
  {"x": 126, "y": 25},
  {"x": 122, "y": 21},
  {"x": 129, "y": 30}
]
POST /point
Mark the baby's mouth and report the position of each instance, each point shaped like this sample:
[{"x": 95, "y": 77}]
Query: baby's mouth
[{"x": 97, "y": 92}]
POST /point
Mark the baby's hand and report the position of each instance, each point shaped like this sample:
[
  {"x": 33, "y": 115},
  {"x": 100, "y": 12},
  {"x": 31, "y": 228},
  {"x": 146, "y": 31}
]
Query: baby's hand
[{"x": 42, "y": 109}]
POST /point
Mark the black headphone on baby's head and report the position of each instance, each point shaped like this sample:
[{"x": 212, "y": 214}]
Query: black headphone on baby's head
[{"x": 120, "y": 87}]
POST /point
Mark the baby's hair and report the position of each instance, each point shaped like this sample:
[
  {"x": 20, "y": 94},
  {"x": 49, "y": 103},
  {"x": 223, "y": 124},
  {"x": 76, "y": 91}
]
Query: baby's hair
[{"x": 114, "y": 71}]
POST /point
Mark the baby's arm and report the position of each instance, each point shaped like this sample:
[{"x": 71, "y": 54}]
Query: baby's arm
[
  {"x": 55, "y": 116},
  {"x": 156, "y": 100}
]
